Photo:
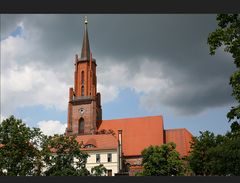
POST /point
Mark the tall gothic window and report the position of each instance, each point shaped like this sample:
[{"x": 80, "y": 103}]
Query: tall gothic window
[
  {"x": 81, "y": 126},
  {"x": 82, "y": 82},
  {"x": 82, "y": 77}
]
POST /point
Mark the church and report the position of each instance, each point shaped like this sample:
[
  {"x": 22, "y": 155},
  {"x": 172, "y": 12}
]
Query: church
[{"x": 116, "y": 143}]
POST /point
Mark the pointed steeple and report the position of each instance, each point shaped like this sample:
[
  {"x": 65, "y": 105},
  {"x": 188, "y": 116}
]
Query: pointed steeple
[{"x": 85, "y": 55}]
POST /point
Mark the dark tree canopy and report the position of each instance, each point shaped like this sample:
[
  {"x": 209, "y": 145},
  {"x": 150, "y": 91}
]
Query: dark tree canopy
[
  {"x": 199, "y": 159},
  {"x": 27, "y": 152},
  {"x": 162, "y": 160},
  {"x": 227, "y": 35},
  {"x": 20, "y": 148},
  {"x": 215, "y": 155},
  {"x": 99, "y": 170},
  {"x": 63, "y": 157},
  {"x": 225, "y": 155}
]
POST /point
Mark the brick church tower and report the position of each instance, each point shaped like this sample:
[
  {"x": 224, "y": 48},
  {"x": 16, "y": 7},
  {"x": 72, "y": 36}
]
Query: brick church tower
[{"x": 84, "y": 107}]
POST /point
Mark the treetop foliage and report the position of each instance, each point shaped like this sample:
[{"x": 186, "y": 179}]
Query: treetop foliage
[
  {"x": 27, "y": 152},
  {"x": 227, "y": 35},
  {"x": 162, "y": 160}
]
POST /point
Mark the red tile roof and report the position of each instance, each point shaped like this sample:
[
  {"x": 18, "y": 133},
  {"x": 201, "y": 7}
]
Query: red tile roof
[
  {"x": 100, "y": 141},
  {"x": 181, "y": 137},
  {"x": 137, "y": 133}
]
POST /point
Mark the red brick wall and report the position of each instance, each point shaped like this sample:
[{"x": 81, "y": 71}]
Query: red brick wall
[
  {"x": 181, "y": 137},
  {"x": 135, "y": 169},
  {"x": 90, "y": 83},
  {"x": 89, "y": 117}
]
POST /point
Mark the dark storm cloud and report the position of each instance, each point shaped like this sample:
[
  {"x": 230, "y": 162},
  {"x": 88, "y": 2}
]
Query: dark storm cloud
[
  {"x": 178, "y": 42},
  {"x": 195, "y": 99}
]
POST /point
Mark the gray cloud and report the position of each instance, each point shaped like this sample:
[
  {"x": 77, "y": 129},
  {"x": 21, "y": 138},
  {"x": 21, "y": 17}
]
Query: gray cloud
[
  {"x": 177, "y": 44},
  {"x": 190, "y": 100},
  {"x": 8, "y": 24}
]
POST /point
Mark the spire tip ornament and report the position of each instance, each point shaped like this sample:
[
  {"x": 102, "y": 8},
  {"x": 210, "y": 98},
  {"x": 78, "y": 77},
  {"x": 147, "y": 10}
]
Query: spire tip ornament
[{"x": 85, "y": 20}]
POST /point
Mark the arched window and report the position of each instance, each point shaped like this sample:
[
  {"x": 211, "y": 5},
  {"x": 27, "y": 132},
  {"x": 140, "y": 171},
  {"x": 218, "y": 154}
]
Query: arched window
[
  {"x": 81, "y": 126},
  {"x": 89, "y": 146}
]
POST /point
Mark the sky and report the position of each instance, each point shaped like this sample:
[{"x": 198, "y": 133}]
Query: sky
[{"x": 147, "y": 65}]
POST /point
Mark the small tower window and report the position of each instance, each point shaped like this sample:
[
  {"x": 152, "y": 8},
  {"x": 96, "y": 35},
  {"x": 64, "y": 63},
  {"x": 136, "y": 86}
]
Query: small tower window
[{"x": 81, "y": 126}]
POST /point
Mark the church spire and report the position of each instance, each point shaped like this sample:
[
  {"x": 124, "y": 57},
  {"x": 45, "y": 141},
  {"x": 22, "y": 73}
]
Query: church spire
[{"x": 85, "y": 55}]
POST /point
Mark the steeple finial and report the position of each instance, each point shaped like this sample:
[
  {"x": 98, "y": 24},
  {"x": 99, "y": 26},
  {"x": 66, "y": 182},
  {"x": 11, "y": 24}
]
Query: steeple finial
[{"x": 85, "y": 55}]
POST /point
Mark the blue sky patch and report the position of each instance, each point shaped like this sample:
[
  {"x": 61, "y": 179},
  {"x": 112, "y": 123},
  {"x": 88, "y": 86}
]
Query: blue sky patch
[{"x": 17, "y": 32}]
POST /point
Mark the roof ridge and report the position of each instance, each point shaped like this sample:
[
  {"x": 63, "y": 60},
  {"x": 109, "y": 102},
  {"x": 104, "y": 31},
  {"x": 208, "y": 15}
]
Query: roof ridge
[
  {"x": 134, "y": 117},
  {"x": 175, "y": 129}
]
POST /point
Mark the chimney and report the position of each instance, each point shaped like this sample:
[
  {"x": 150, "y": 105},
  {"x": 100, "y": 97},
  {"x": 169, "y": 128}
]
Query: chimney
[{"x": 120, "y": 151}]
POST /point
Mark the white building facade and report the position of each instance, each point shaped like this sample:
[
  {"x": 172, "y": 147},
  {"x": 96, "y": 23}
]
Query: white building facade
[
  {"x": 108, "y": 158},
  {"x": 102, "y": 149}
]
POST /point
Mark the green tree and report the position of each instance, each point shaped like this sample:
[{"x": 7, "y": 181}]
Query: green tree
[
  {"x": 162, "y": 160},
  {"x": 200, "y": 156},
  {"x": 98, "y": 170},
  {"x": 230, "y": 151},
  {"x": 63, "y": 157},
  {"x": 20, "y": 150},
  {"x": 227, "y": 35},
  {"x": 215, "y": 155}
]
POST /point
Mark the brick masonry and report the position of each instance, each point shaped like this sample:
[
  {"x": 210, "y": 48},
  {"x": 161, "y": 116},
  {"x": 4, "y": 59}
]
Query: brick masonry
[{"x": 84, "y": 103}]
